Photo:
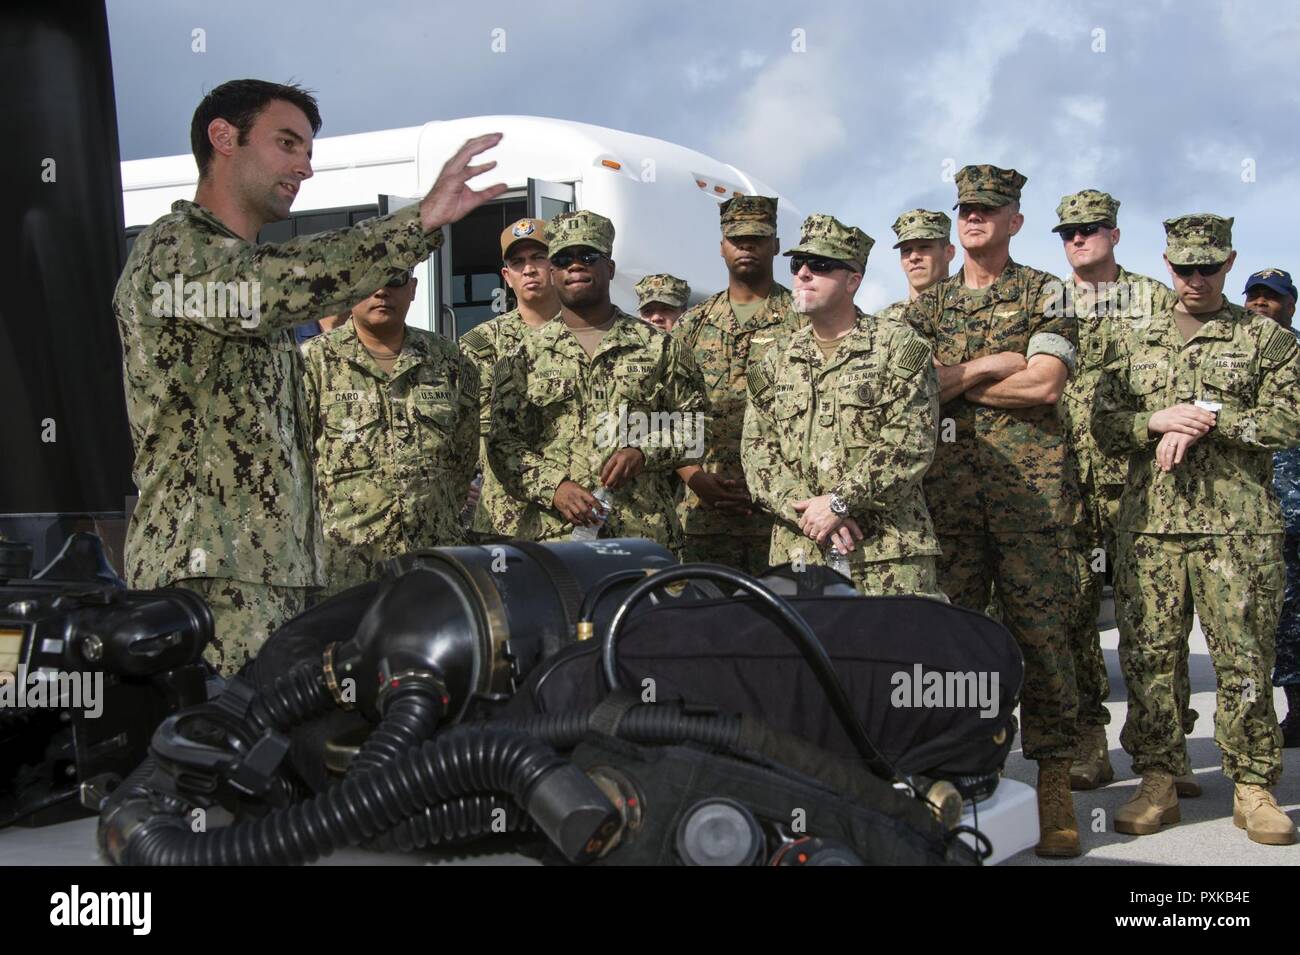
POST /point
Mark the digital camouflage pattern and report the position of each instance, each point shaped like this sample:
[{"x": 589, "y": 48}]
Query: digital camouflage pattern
[
  {"x": 557, "y": 415},
  {"x": 245, "y": 615},
  {"x": 580, "y": 228},
  {"x": 1286, "y": 484},
  {"x": 724, "y": 349},
  {"x": 1235, "y": 582},
  {"x": 486, "y": 345},
  {"x": 921, "y": 224},
  {"x": 1199, "y": 239},
  {"x": 1087, "y": 207},
  {"x": 862, "y": 425},
  {"x": 1097, "y": 311},
  {"x": 662, "y": 287},
  {"x": 1003, "y": 492},
  {"x": 830, "y": 238},
  {"x": 394, "y": 452},
  {"x": 748, "y": 215},
  {"x": 1212, "y": 524},
  {"x": 220, "y": 453},
  {"x": 986, "y": 185}
]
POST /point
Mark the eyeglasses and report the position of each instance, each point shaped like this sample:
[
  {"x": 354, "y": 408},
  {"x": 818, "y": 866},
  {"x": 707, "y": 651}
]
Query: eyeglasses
[
  {"x": 816, "y": 265},
  {"x": 1185, "y": 271},
  {"x": 562, "y": 260},
  {"x": 1069, "y": 232},
  {"x": 398, "y": 281}
]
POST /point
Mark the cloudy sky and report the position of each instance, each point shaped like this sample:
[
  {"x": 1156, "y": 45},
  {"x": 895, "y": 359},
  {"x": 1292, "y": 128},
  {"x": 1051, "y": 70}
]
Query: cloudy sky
[{"x": 858, "y": 109}]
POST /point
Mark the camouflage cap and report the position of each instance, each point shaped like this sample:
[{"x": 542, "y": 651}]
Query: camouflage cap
[
  {"x": 1087, "y": 207},
  {"x": 583, "y": 227},
  {"x": 988, "y": 186},
  {"x": 921, "y": 224},
  {"x": 748, "y": 215},
  {"x": 662, "y": 287},
  {"x": 1198, "y": 239},
  {"x": 525, "y": 230},
  {"x": 831, "y": 239}
]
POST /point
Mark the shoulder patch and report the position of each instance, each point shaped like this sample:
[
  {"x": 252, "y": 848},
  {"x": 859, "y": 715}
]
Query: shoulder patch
[
  {"x": 911, "y": 358},
  {"x": 758, "y": 379},
  {"x": 476, "y": 340},
  {"x": 1278, "y": 344}
]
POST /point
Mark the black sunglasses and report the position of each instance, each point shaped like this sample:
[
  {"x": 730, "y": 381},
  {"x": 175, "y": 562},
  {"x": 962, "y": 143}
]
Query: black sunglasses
[
  {"x": 816, "y": 264},
  {"x": 562, "y": 260},
  {"x": 398, "y": 281},
  {"x": 1068, "y": 233},
  {"x": 1185, "y": 271}
]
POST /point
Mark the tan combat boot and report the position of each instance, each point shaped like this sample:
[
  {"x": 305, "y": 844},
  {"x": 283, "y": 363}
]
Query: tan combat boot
[
  {"x": 1058, "y": 832},
  {"x": 1255, "y": 810},
  {"x": 1154, "y": 805},
  {"x": 1091, "y": 766},
  {"x": 1187, "y": 786}
]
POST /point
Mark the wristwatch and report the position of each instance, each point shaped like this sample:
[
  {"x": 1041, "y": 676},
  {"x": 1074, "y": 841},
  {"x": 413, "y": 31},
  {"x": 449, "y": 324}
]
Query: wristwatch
[{"x": 839, "y": 506}]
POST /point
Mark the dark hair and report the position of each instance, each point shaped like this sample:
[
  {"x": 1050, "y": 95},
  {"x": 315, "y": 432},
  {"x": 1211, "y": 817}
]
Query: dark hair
[{"x": 239, "y": 102}]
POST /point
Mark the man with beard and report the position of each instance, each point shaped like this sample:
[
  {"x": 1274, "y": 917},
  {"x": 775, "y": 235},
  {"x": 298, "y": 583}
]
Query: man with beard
[
  {"x": 527, "y": 271},
  {"x": 595, "y": 399},
  {"x": 728, "y": 333}
]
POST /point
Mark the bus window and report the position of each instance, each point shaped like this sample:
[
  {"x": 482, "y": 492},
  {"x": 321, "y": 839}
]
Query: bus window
[{"x": 476, "y": 281}]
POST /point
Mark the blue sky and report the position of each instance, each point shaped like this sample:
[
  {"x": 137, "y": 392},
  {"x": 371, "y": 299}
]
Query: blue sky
[{"x": 1172, "y": 107}]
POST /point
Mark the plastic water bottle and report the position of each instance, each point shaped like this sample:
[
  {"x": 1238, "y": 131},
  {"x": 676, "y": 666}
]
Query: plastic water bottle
[
  {"x": 839, "y": 562},
  {"x": 467, "y": 512},
  {"x": 592, "y": 531}
]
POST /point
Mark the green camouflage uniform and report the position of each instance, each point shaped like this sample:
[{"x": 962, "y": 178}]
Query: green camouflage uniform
[
  {"x": 213, "y": 397},
  {"x": 486, "y": 345},
  {"x": 724, "y": 349},
  {"x": 910, "y": 226},
  {"x": 1208, "y": 534},
  {"x": 558, "y": 415},
  {"x": 1003, "y": 491},
  {"x": 1101, "y": 477},
  {"x": 394, "y": 452},
  {"x": 860, "y": 425}
]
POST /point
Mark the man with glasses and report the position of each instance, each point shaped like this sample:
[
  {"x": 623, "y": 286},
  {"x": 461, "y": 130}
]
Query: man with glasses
[
  {"x": 392, "y": 415},
  {"x": 595, "y": 399},
  {"x": 1198, "y": 397},
  {"x": 727, "y": 333},
  {"x": 661, "y": 300},
  {"x": 1103, "y": 297},
  {"x": 213, "y": 389},
  {"x": 527, "y": 271},
  {"x": 1002, "y": 491},
  {"x": 925, "y": 254},
  {"x": 841, "y": 426},
  {"x": 1271, "y": 293}
]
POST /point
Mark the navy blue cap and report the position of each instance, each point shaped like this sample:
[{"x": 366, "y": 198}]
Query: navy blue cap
[{"x": 1275, "y": 279}]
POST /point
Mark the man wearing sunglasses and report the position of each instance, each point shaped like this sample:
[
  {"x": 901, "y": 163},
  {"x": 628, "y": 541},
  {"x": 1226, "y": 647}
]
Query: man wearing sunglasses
[
  {"x": 1002, "y": 491},
  {"x": 727, "y": 333},
  {"x": 1198, "y": 397},
  {"x": 213, "y": 394},
  {"x": 595, "y": 398},
  {"x": 841, "y": 426},
  {"x": 392, "y": 416},
  {"x": 925, "y": 253},
  {"x": 527, "y": 270},
  {"x": 1271, "y": 293},
  {"x": 1104, "y": 298}
]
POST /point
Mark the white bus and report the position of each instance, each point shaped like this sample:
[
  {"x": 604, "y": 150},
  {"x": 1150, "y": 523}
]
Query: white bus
[{"x": 662, "y": 198}]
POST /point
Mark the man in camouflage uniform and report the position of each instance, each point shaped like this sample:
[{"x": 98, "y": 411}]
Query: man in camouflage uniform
[
  {"x": 1100, "y": 295},
  {"x": 1272, "y": 294},
  {"x": 1198, "y": 397},
  {"x": 213, "y": 385},
  {"x": 727, "y": 333},
  {"x": 841, "y": 426},
  {"x": 527, "y": 271},
  {"x": 925, "y": 254},
  {"x": 392, "y": 413},
  {"x": 596, "y": 398},
  {"x": 1003, "y": 492},
  {"x": 661, "y": 299}
]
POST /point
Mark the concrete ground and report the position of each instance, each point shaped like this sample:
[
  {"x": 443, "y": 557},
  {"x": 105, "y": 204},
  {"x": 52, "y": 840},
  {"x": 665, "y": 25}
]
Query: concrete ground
[{"x": 1206, "y": 835}]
